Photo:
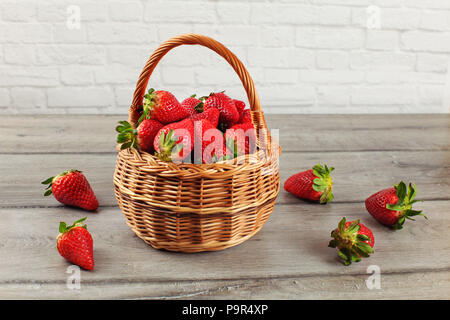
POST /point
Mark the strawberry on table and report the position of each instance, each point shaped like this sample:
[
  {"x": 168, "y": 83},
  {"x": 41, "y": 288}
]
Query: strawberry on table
[
  {"x": 75, "y": 244},
  {"x": 141, "y": 138},
  {"x": 162, "y": 106},
  {"x": 392, "y": 206},
  {"x": 175, "y": 141},
  {"x": 314, "y": 184},
  {"x": 353, "y": 240},
  {"x": 72, "y": 188}
]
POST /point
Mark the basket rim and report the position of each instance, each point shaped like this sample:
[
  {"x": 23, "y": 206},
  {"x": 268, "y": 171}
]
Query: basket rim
[{"x": 246, "y": 162}]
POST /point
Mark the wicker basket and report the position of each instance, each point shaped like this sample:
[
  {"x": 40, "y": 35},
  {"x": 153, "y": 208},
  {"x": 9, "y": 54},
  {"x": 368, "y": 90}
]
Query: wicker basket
[{"x": 198, "y": 207}]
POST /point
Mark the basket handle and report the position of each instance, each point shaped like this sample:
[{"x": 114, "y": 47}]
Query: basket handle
[{"x": 191, "y": 39}]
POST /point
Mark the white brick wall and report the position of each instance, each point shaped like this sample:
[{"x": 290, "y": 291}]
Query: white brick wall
[{"x": 306, "y": 56}]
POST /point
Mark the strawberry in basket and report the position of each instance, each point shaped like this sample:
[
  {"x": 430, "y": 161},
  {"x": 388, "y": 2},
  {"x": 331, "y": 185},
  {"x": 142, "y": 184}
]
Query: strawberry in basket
[
  {"x": 141, "y": 138},
  {"x": 229, "y": 115},
  {"x": 212, "y": 155},
  {"x": 240, "y": 105},
  {"x": 212, "y": 115},
  {"x": 241, "y": 139},
  {"x": 174, "y": 142},
  {"x": 212, "y": 143},
  {"x": 245, "y": 116},
  {"x": 192, "y": 105},
  {"x": 162, "y": 106}
]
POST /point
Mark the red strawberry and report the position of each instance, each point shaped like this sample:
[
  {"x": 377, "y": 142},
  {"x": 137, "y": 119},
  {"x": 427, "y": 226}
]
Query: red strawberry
[
  {"x": 241, "y": 139},
  {"x": 245, "y": 116},
  {"x": 228, "y": 112},
  {"x": 174, "y": 142},
  {"x": 393, "y": 205},
  {"x": 313, "y": 184},
  {"x": 163, "y": 107},
  {"x": 240, "y": 105},
  {"x": 216, "y": 155},
  {"x": 72, "y": 188},
  {"x": 141, "y": 138},
  {"x": 353, "y": 240},
  {"x": 211, "y": 140},
  {"x": 212, "y": 115},
  {"x": 191, "y": 105},
  {"x": 75, "y": 244}
]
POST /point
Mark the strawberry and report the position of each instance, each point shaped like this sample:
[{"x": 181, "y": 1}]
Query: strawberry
[
  {"x": 174, "y": 142},
  {"x": 314, "y": 184},
  {"x": 393, "y": 206},
  {"x": 245, "y": 116},
  {"x": 241, "y": 139},
  {"x": 163, "y": 107},
  {"x": 216, "y": 155},
  {"x": 240, "y": 105},
  {"x": 212, "y": 115},
  {"x": 228, "y": 112},
  {"x": 353, "y": 240},
  {"x": 75, "y": 244},
  {"x": 191, "y": 105},
  {"x": 141, "y": 138},
  {"x": 211, "y": 140},
  {"x": 72, "y": 188}
]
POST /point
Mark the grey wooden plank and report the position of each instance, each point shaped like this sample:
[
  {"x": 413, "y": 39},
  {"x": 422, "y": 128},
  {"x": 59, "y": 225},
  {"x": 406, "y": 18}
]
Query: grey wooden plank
[
  {"x": 362, "y": 132},
  {"x": 357, "y": 174},
  {"x": 293, "y": 244},
  {"x": 420, "y": 285},
  {"x": 305, "y": 133}
]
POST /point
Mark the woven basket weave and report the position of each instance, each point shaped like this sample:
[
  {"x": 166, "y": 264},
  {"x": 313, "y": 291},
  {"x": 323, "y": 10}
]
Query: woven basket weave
[{"x": 197, "y": 207}]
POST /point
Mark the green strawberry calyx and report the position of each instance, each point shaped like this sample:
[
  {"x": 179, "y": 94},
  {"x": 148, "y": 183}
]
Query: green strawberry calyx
[
  {"x": 199, "y": 107},
  {"x": 49, "y": 181},
  {"x": 63, "y": 228},
  {"x": 127, "y": 136},
  {"x": 351, "y": 245},
  {"x": 147, "y": 105},
  {"x": 404, "y": 204},
  {"x": 323, "y": 183},
  {"x": 168, "y": 145}
]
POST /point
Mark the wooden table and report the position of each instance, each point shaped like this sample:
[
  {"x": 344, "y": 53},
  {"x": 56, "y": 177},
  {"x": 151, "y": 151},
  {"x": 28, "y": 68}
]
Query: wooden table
[{"x": 287, "y": 259}]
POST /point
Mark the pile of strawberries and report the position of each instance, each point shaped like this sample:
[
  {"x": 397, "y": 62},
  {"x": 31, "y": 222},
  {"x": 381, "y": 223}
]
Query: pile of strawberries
[
  {"x": 204, "y": 130},
  {"x": 391, "y": 207}
]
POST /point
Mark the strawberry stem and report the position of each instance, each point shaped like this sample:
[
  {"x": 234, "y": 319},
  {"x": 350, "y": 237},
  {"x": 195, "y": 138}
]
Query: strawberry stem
[
  {"x": 404, "y": 204},
  {"x": 352, "y": 245},
  {"x": 168, "y": 145},
  {"x": 127, "y": 135},
  {"x": 323, "y": 183}
]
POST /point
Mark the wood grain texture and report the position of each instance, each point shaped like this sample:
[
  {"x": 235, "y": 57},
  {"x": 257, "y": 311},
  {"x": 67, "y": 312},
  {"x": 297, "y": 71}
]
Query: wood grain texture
[
  {"x": 293, "y": 243},
  {"x": 357, "y": 174},
  {"x": 305, "y": 133},
  {"x": 417, "y": 285},
  {"x": 287, "y": 259}
]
